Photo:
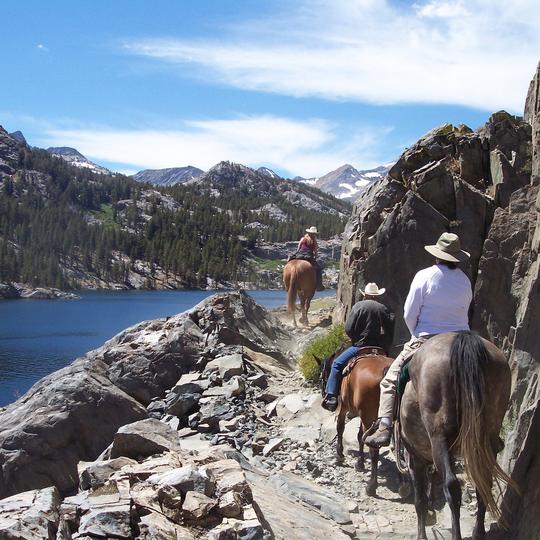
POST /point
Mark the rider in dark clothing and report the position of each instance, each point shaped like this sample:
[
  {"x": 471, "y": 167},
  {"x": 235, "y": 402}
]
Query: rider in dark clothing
[{"x": 370, "y": 324}]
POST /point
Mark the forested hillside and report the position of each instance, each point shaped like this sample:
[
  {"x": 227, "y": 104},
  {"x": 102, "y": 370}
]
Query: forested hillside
[{"x": 69, "y": 227}]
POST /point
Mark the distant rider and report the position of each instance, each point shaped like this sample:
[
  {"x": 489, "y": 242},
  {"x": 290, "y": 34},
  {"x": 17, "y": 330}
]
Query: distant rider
[
  {"x": 438, "y": 302},
  {"x": 370, "y": 324},
  {"x": 308, "y": 249}
]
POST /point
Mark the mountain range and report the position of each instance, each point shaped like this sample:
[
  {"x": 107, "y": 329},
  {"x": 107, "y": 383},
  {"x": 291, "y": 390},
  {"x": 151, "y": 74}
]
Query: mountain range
[
  {"x": 168, "y": 177},
  {"x": 65, "y": 225},
  {"x": 345, "y": 182}
]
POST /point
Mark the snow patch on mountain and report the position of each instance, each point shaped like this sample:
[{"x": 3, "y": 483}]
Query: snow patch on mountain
[
  {"x": 346, "y": 182},
  {"x": 268, "y": 172},
  {"x": 74, "y": 157}
]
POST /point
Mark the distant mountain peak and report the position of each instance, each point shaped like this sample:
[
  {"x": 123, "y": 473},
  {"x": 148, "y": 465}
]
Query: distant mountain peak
[
  {"x": 346, "y": 182},
  {"x": 75, "y": 158},
  {"x": 18, "y": 136},
  {"x": 64, "y": 151}
]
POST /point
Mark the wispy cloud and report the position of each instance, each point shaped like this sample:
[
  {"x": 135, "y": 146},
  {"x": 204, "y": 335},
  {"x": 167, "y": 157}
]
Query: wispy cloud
[
  {"x": 479, "y": 53},
  {"x": 41, "y": 47},
  {"x": 306, "y": 148}
]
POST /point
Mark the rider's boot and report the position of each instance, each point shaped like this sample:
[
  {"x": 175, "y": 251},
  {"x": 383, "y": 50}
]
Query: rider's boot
[
  {"x": 330, "y": 402},
  {"x": 381, "y": 437}
]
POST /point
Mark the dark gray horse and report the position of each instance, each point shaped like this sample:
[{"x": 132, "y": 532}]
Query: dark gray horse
[{"x": 454, "y": 406}]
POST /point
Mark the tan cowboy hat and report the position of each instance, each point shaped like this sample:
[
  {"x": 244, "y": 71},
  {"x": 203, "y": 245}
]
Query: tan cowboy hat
[
  {"x": 312, "y": 230},
  {"x": 372, "y": 290},
  {"x": 448, "y": 248}
]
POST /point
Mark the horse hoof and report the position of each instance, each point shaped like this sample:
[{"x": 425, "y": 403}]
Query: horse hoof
[
  {"x": 340, "y": 460},
  {"x": 371, "y": 490},
  {"x": 404, "y": 490},
  {"x": 359, "y": 467},
  {"x": 431, "y": 518}
]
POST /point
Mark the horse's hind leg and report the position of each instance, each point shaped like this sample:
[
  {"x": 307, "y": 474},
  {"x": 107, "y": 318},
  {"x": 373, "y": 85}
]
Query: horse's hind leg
[
  {"x": 451, "y": 486},
  {"x": 371, "y": 488},
  {"x": 306, "y": 309},
  {"x": 302, "y": 307},
  {"x": 360, "y": 465},
  {"x": 340, "y": 428},
  {"x": 418, "y": 468},
  {"x": 479, "y": 532}
]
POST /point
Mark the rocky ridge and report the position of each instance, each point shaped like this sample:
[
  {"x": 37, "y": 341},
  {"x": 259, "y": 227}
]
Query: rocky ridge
[
  {"x": 193, "y": 426},
  {"x": 483, "y": 185},
  {"x": 168, "y": 177},
  {"x": 452, "y": 179}
]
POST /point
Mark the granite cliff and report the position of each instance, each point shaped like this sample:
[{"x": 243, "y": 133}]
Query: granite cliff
[{"x": 482, "y": 185}]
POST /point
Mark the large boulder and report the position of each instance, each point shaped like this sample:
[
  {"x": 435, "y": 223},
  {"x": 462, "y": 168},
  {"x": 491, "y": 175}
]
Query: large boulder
[
  {"x": 70, "y": 415},
  {"x": 144, "y": 438}
]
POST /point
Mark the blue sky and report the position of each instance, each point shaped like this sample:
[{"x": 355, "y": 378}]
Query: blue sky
[{"x": 298, "y": 86}]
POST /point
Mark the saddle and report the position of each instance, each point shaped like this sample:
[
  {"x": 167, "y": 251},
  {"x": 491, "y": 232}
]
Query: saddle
[
  {"x": 300, "y": 256},
  {"x": 364, "y": 351}
]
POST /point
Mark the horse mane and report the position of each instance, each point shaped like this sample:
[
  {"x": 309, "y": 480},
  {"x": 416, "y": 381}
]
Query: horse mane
[{"x": 468, "y": 359}]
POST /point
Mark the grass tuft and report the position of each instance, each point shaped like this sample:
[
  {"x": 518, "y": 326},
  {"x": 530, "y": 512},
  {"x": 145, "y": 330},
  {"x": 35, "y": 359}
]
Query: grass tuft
[{"x": 321, "y": 347}]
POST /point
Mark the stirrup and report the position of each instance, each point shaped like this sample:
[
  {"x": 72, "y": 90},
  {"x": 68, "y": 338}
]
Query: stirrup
[{"x": 371, "y": 430}]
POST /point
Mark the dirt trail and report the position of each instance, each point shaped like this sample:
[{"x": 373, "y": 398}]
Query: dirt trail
[{"x": 306, "y": 447}]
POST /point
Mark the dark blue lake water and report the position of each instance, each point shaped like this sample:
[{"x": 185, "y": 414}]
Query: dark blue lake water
[{"x": 38, "y": 337}]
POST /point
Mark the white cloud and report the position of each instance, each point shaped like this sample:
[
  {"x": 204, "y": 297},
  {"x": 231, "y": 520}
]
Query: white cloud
[
  {"x": 42, "y": 47},
  {"x": 443, "y": 10},
  {"x": 481, "y": 53},
  {"x": 306, "y": 148}
]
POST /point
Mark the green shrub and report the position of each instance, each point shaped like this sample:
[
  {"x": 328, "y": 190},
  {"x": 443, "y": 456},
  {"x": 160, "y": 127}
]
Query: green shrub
[{"x": 321, "y": 347}]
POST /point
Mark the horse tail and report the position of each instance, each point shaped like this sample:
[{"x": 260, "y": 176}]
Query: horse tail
[
  {"x": 468, "y": 359},
  {"x": 292, "y": 290}
]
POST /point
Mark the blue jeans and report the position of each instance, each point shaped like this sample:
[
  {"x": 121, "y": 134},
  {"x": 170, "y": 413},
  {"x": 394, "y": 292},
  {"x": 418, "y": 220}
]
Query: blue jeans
[{"x": 334, "y": 380}]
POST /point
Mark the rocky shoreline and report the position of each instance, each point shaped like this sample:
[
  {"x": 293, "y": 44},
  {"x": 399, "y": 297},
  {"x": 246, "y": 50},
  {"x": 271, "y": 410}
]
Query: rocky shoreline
[
  {"x": 14, "y": 291},
  {"x": 193, "y": 426}
]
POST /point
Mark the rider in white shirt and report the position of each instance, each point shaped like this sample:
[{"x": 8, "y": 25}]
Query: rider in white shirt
[{"x": 438, "y": 302}]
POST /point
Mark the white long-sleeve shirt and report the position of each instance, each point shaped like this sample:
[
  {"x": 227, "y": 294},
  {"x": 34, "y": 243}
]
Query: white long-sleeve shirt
[{"x": 438, "y": 301}]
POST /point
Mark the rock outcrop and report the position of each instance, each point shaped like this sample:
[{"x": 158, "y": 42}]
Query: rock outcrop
[
  {"x": 484, "y": 186},
  {"x": 452, "y": 179},
  {"x": 12, "y": 291},
  {"x": 511, "y": 272},
  {"x": 72, "y": 414}
]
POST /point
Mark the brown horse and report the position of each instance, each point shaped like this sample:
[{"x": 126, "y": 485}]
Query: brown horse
[
  {"x": 299, "y": 277},
  {"x": 359, "y": 396},
  {"x": 454, "y": 406}
]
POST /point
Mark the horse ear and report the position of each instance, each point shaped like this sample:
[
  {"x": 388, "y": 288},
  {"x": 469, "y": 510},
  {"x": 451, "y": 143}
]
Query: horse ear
[{"x": 318, "y": 360}]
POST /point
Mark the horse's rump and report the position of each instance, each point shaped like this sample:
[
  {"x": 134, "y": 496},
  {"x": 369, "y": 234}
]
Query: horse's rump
[
  {"x": 458, "y": 392},
  {"x": 361, "y": 384},
  {"x": 299, "y": 278}
]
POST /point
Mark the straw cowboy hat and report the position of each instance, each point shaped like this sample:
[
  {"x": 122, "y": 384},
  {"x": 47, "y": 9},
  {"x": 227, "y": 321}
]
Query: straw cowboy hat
[
  {"x": 312, "y": 230},
  {"x": 448, "y": 248},
  {"x": 372, "y": 290}
]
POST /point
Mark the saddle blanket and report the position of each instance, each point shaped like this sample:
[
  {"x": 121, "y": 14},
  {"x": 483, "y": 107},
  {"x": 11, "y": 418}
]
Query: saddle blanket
[{"x": 363, "y": 352}]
